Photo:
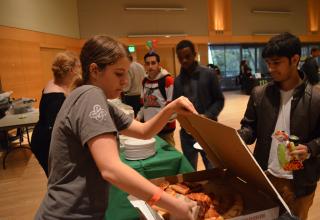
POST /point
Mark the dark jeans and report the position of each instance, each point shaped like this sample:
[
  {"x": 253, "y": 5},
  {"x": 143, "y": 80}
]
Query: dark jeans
[
  {"x": 187, "y": 142},
  {"x": 133, "y": 101}
]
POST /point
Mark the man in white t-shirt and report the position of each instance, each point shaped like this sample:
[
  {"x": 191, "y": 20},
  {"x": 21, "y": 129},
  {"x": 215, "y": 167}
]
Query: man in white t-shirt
[{"x": 291, "y": 104}]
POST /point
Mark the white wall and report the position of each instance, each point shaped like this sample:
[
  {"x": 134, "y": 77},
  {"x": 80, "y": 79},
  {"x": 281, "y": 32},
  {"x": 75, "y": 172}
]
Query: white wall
[
  {"x": 109, "y": 17},
  {"x": 244, "y": 22},
  {"x": 50, "y": 16}
]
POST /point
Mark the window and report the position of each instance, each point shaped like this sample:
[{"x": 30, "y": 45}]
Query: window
[
  {"x": 261, "y": 65},
  {"x": 232, "y": 59},
  {"x": 217, "y": 54},
  {"x": 249, "y": 54},
  {"x": 227, "y": 58}
]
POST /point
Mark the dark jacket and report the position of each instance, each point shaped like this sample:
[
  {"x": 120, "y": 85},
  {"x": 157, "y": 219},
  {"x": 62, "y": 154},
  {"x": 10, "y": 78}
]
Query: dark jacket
[
  {"x": 259, "y": 123},
  {"x": 311, "y": 68},
  {"x": 202, "y": 87}
]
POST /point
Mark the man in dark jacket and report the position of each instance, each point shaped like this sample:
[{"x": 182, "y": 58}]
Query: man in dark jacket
[
  {"x": 311, "y": 67},
  {"x": 201, "y": 86},
  {"x": 291, "y": 104}
]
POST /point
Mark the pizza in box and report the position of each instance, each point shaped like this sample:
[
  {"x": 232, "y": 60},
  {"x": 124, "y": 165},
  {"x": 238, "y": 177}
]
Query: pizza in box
[{"x": 215, "y": 200}]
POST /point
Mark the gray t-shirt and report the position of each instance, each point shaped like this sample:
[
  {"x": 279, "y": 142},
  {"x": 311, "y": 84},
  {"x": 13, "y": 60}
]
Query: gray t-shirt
[{"x": 76, "y": 189}]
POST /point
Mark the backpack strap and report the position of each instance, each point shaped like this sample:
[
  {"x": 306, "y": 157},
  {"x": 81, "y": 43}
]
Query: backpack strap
[
  {"x": 161, "y": 85},
  {"x": 144, "y": 81}
]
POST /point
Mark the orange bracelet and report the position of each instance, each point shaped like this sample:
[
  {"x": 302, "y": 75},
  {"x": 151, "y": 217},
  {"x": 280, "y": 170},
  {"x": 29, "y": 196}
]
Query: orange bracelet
[{"x": 155, "y": 198}]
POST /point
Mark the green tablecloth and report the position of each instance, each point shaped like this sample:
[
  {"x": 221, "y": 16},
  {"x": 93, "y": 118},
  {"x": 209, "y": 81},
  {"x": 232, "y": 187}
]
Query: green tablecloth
[{"x": 166, "y": 162}]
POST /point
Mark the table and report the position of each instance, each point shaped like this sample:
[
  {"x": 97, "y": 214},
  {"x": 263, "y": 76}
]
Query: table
[
  {"x": 17, "y": 121},
  {"x": 167, "y": 162}
]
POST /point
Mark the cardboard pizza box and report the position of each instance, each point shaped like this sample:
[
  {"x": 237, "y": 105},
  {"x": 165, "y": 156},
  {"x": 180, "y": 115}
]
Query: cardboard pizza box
[
  {"x": 257, "y": 204},
  {"x": 235, "y": 167},
  {"x": 225, "y": 149}
]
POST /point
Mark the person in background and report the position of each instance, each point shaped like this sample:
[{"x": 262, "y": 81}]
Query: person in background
[
  {"x": 201, "y": 85},
  {"x": 156, "y": 94},
  {"x": 245, "y": 70},
  {"x": 289, "y": 103},
  {"x": 216, "y": 70},
  {"x": 66, "y": 69},
  {"x": 245, "y": 77},
  {"x": 311, "y": 66},
  {"x": 84, "y": 152},
  {"x": 132, "y": 91}
]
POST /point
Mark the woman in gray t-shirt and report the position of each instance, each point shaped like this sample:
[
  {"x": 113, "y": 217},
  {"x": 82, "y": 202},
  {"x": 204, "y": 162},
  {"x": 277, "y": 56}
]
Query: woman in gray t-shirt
[{"x": 84, "y": 156}]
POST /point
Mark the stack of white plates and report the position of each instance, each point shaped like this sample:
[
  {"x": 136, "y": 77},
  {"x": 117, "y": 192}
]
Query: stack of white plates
[
  {"x": 137, "y": 149},
  {"x": 127, "y": 109}
]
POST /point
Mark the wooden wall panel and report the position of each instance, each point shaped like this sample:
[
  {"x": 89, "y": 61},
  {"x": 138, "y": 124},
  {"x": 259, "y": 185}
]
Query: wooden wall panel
[
  {"x": 20, "y": 68},
  {"x": 47, "y": 56},
  {"x": 219, "y": 17},
  {"x": 30, "y": 62},
  {"x": 203, "y": 52},
  {"x": 12, "y": 77},
  {"x": 10, "y": 62},
  {"x": 313, "y": 16},
  {"x": 26, "y": 59},
  {"x": 44, "y": 39}
]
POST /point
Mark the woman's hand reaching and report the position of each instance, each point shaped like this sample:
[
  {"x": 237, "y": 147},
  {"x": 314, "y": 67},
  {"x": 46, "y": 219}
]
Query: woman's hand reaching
[{"x": 182, "y": 106}]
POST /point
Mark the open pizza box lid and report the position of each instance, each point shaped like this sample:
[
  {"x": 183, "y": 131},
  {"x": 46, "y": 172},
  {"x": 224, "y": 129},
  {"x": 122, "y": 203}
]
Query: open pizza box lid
[{"x": 225, "y": 149}]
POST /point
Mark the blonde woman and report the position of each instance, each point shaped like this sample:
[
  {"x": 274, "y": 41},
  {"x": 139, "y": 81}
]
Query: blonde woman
[{"x": 66, "y": 68}]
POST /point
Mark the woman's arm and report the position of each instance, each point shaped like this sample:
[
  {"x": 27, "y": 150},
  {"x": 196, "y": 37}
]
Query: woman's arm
[
  {"x": 105, "y": 153},
  {"x": 153, "y": 126}
]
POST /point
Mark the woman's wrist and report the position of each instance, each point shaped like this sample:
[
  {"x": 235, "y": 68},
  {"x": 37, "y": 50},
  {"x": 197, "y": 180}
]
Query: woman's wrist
[
  {"x": 168, "y": 109},
  {"x": 172, "y": 204},
  {"x": 155, "y": 198}
]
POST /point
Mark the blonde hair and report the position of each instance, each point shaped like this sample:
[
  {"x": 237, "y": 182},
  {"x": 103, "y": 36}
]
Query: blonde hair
[{"x": 63, "y": 63}]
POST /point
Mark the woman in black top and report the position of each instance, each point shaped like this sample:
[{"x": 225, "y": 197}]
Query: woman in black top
[{"x": 65, "y": 67}]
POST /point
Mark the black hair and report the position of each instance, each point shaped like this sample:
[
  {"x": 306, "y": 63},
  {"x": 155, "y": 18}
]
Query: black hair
[
  {"x": 282, "y": 45},
  {"x": 184, "y": 44},
  {"x": 152, "y": 54},
  {"x": 314, "y": 49},
  {"x": 211, "y": 66}
]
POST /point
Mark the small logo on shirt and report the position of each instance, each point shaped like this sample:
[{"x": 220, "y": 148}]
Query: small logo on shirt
[{"x": 98, "y": 113}]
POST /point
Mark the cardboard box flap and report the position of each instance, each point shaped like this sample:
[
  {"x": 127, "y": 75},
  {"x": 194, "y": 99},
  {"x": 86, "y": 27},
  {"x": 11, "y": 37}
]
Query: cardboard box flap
[{"x": 225, "y": 149}]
